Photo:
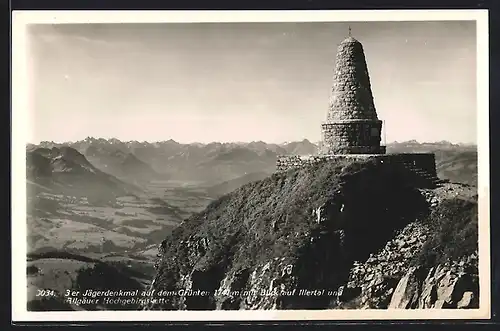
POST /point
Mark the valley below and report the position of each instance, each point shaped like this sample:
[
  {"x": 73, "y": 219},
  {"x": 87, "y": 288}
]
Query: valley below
[{"x": 68, "y": 234}]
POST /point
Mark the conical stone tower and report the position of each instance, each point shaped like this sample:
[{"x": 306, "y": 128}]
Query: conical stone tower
[
  {"x": 352, "y": 125},
  {"x": 352, "y": 129}
]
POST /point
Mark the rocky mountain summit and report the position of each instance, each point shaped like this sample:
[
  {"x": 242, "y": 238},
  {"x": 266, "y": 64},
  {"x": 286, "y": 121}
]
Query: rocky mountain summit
[{"x": 346, "y": 235}]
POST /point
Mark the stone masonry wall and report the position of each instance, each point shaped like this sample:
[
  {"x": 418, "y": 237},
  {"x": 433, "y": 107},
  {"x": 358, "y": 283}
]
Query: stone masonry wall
[
  {"x": 418, "y": 169},
  {"x": 352, "y": 137}
]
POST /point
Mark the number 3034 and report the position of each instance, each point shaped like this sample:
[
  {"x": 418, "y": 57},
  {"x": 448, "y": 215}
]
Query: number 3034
[{"x": 45, "y": 293}]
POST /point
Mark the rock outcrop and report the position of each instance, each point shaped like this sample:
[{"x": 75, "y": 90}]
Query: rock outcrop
[
  {"x": 344, "y": 235},
  {"x": 444, "y": 286}
]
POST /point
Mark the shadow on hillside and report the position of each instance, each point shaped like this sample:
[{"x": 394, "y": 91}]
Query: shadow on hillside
[{"x": 374, "y": 203}]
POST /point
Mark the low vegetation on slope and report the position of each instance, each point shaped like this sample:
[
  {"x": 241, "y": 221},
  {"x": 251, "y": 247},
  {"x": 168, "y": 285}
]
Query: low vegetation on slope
[
  {"x": 232, "y": 184},
  {"x": 453, "y": 229},
  {"x": 457, "y": 166}
]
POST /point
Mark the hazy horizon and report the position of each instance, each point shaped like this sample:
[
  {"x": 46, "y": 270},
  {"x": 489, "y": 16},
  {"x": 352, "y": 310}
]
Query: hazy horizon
[
  {"x": 243, "y": 82},
  {"x": 60, "y": 142}
]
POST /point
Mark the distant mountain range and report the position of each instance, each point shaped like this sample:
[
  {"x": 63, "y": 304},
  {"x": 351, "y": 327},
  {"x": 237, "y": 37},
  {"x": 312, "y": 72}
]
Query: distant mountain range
[
  {"x": 215, "y": 163},
  {"x": 417, "y": 147}
]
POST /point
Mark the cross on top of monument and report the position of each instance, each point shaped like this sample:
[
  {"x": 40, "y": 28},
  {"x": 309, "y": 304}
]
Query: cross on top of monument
[{"x": 349, "y": 31}]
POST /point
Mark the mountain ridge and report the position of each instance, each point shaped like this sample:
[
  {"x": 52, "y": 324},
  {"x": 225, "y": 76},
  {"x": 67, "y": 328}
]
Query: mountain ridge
[
  {"x": 260, "y": 245},
  {"x": 172, "y": 141},
  {"x": 218, "y": 162}
]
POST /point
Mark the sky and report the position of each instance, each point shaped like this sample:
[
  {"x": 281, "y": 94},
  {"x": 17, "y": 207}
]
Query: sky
[{"x": 204, "y": 82}]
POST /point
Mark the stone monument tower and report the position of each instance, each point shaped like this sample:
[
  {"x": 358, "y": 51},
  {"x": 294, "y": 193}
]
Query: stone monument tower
[
  {"x": 352, "y": 129},
  {"x": 352, "y": 125}
]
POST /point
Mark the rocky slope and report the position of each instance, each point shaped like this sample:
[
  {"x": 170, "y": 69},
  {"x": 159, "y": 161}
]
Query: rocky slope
[
  {"x": 345, "y": 235},
  {"x": 405, "y": 273}
]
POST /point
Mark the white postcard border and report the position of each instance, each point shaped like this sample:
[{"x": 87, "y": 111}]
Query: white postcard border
[{"x": 19, "y": 124}]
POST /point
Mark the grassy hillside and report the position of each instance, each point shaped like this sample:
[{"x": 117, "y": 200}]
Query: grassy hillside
[
  {"x": 453, "y": 228},
  {"x": 233, "y": 184},
  {"x": 313, "y": 218},
  {"x": 457, "y": 166}
]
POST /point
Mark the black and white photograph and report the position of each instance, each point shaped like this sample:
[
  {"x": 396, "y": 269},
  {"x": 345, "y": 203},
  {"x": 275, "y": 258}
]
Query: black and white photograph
[{"x": 319, "y": 165}]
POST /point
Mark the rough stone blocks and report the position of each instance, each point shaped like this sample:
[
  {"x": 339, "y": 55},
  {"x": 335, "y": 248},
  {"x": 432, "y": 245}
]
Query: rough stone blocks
[{"x": 352, "y": 137}]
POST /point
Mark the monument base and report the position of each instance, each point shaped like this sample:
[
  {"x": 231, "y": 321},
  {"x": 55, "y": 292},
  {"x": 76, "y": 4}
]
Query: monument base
[
  {"x": 418, "y": 169},
  {"x": 356, "y": 150}
]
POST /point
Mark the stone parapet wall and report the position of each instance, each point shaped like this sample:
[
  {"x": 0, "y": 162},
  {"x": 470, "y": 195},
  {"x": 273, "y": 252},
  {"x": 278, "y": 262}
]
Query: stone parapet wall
[
  {"x": 418, "y": 169},
  {"x": 287, "y": 162},
  {"x": 420, "y": 163}
]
